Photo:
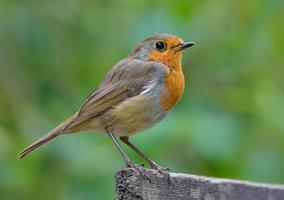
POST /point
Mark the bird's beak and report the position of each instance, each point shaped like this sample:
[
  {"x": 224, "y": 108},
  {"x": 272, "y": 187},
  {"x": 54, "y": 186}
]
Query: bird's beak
[{"x": 183, "y": 46}]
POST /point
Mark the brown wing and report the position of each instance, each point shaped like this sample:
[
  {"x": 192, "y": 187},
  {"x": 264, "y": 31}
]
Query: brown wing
[{"x": 126, "y": 79}]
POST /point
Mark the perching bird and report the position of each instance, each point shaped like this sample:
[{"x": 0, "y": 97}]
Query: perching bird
[{"x": 137, "y": 93}]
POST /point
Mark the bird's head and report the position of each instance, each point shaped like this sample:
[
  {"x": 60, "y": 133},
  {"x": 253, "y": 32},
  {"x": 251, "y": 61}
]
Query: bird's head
[{"x": 164, "y": 48}]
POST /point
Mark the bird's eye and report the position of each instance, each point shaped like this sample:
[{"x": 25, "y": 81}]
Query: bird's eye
[{"x": 160, "y": 46}]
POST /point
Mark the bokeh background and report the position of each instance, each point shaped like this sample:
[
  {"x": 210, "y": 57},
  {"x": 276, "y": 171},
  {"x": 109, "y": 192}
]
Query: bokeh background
[{"x": 230, "y": 122}]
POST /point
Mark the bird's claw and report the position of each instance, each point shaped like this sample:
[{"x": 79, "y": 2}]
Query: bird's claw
[
  {"x": 164, "y": 171},
  {"x": 139, "y": 168}
]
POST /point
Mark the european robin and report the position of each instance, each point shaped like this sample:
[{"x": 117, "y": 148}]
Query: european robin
[{"x": 137, "y": 93}]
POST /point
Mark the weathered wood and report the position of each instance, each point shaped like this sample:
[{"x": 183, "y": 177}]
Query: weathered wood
[{"x": 131, "y": 185}]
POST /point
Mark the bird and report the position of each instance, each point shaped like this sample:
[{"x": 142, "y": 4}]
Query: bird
[{"x": 136, "y": 94}]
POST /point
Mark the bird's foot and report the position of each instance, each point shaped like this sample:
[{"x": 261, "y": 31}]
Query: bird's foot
[
  {"x": 139, "y": 168},
  {"x": 165, "y": 171}
]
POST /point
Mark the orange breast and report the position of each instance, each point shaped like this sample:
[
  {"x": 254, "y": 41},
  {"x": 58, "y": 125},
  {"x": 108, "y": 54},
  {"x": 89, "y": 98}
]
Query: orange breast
[
  {"x": 174, "y": 79},
  {"x": 175, "y": 86}
]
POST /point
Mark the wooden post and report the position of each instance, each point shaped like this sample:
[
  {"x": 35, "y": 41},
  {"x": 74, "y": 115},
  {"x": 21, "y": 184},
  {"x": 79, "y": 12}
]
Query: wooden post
[{"x": 134, "y": 185}]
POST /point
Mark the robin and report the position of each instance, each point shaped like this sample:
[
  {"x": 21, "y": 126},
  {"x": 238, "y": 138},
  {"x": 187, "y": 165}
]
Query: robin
[{"x": 137, "y": 93}]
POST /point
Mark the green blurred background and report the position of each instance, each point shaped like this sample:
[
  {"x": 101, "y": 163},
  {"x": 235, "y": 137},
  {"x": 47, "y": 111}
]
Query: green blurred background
[{"x": 230, "y": 122}]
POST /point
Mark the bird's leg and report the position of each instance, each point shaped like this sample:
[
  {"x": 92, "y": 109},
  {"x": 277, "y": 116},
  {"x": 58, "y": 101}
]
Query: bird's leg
[
  {"x": 129, "y": 163},
  {"x": 151, "y": 163}
]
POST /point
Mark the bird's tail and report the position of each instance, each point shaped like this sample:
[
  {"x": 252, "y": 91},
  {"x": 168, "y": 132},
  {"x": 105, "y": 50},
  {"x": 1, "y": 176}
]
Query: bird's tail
[{"x": 60, "y": 129}]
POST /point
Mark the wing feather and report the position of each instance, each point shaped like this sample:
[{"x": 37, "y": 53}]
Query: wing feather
[{"x": 126, "y": 79}]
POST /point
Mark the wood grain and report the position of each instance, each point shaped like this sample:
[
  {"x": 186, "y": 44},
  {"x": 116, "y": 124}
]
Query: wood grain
[{"x": 133, "y": 185}]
